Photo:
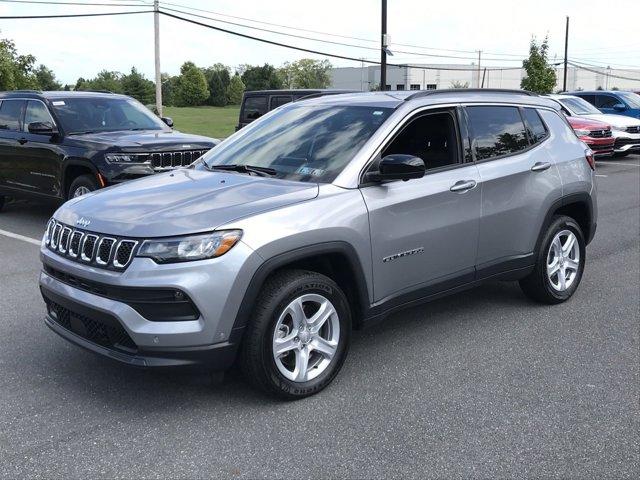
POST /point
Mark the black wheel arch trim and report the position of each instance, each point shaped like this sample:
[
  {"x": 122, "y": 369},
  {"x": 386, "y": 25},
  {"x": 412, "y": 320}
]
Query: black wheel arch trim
[
  {"x": 296, "y": 255},
  {"x": 579, "y": 197}
]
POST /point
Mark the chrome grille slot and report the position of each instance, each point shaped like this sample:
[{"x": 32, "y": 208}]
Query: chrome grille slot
[
  {"x": 104, "y": 250},
  {"x": 88, "y": 247},
  {"x": 74, "y": 244},
  {"x": 123, "y": 254},
  {"x": 63, "y": 245},
  {"x": 55, "y": 238},
  {"x": 49, "y": 231}
]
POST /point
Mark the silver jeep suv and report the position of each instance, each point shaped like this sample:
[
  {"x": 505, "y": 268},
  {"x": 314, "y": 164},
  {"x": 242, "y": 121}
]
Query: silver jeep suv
[{"x": 322, "y": 216}]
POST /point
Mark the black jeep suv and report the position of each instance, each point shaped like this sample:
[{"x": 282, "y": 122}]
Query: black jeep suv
[{"x": 61, "y": 145}]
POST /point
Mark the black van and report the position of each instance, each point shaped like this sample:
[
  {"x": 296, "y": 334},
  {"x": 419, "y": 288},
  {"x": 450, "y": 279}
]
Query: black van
[{"x": 258, "y": 102}]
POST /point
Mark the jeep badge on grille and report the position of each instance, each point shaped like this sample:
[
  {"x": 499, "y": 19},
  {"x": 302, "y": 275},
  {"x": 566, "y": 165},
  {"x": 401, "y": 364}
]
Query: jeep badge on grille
[{"x": 83, "y": 222}]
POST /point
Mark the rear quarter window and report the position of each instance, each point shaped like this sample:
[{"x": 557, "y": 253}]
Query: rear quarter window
[
  {"x": 496, "y": 131},
  {"x": 254, "y": 108},
  {"x": 535, "y": 126}
]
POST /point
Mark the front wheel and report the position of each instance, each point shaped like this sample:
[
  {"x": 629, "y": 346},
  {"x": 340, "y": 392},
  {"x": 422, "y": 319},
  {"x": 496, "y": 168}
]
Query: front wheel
[
  {"x": 299, "y": 335},
  {"x": 81, "y": 186},
  {"x": 2, "y": 201},
  {"x": 559, "y": 264}
]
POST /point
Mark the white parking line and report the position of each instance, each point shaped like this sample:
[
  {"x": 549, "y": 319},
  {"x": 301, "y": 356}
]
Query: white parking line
[
  {"x": 620, "y": 163},
  {"x": 17, "y": 236},
  {"x": 605, "y": 176}
]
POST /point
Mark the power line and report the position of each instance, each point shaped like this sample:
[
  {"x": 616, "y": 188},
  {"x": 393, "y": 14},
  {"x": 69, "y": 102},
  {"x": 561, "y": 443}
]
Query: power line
[
  {"x": 335, "y": 34},
  {"x": 44, "y": 2},
  {"x": 317, "y": 52},
  {"x": 603, "y": 73},
  {"x": 35, "y": 17},
  {"x": 342, "y": 44}
]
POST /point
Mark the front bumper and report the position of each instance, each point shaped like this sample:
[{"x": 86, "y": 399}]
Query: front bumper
[
  {"x": 625, "y": 142},
  {"x": 118, "y": 330}
]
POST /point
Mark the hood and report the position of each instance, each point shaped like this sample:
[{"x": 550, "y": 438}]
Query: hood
[
  {"x": 181, "y": 202},
  {"x": 587, "y": 123},
  {"x": 613, "y": 120},
  {"x": 148, "y": 140}
]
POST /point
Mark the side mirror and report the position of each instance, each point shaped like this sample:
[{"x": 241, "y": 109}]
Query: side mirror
[
  {"x": 42, "y": 128},
  {"x": 397, "y": 167},
  {"x": 619, "y": 107},
  {"x": 167, "y": 120}
]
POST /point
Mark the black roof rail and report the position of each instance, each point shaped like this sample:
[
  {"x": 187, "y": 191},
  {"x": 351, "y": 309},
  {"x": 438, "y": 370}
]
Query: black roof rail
[
  {"x": 26, "y": 90},
  {"x": 325, "y": 93},
  {"x": 426, "y": 93},
  {"x": 95, "y": 91}
]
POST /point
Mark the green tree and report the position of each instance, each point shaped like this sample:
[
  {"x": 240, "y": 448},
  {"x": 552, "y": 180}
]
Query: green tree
[
  {"x": 260, "y": 78},
  {"x": 235, "y": 90},
  {"x": 168, "y": 89},
  {"x": 16, "y": 71},
  {"x": 105, "y": 80},
  {"x": 218, "y": 79},
  {"x": 540, "y": 76},
  {"x": 459, "y": 84},
  {"x": 306, "y": 73},
  {"x": 137, "y": 86},
  {"x": 46, "y": 79},
  {"x": 191, "y": 86}
]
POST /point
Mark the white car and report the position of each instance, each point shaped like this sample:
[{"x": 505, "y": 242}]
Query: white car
[{"x": 626, "y": 130}]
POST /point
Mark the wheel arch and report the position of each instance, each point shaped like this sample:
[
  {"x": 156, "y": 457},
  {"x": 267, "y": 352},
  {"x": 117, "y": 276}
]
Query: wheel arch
[
  {"x": 337, "y": 260},
  {"x": 72, "y": 169},
  {"x": 578, "y": 206}
]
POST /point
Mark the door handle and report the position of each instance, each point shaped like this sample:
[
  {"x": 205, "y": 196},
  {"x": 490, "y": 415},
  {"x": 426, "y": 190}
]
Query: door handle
[
  {"x": 540, "y": 166},
  {"x": 463, "y": 185},
  {"x": 22, "y": 141}
]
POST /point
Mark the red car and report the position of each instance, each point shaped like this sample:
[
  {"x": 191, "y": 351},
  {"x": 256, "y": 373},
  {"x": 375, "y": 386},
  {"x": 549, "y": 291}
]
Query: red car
[{"x": 596, "y": 135}]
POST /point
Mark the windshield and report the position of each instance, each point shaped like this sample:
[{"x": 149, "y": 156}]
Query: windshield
[
  {"x": 100, "y": 114},
  {"x": 579, "y": 106},
  {"x": 632, "y": 99},
  {"x": 304, "y": 143}
]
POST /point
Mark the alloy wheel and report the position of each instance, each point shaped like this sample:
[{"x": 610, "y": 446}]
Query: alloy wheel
[
  {"x": 306, "y": 336},
  {"x": 563, "y": 260}
]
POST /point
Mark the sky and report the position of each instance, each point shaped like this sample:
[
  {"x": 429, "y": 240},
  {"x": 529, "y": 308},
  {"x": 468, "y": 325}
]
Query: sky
[{"x": 81, "y": 47}]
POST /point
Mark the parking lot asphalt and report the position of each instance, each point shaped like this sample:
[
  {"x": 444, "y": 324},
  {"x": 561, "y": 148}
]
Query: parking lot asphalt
[{"x": 482, "y": 384}]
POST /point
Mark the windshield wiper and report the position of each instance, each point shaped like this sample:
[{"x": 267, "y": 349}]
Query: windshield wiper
[{"x": 237, "y": 167}]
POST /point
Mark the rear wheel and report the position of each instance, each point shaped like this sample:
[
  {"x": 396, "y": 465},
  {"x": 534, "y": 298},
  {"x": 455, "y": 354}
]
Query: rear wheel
[
  {"x": 2, "y": 200},
  {"x": 81, "y": 186},
  {"x": 299, "y": 335},
  {"x": 559, "y": 263}
]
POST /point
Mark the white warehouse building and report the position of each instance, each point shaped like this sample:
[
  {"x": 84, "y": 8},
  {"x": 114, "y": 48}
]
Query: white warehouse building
[{"x": 437, "y": 76}]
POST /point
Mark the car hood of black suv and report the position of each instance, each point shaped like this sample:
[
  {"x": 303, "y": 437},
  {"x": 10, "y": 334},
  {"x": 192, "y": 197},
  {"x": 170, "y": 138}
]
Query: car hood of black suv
[
  {"x": 180, "y": 202},
  {"x": 148, "y": 140}
]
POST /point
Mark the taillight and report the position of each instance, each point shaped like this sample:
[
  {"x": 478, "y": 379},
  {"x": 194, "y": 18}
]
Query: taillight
[{"x": 588, "y": 155}]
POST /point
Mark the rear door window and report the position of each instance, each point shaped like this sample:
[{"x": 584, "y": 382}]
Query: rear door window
[
  {"x": 254, "y": 108},
  {"x": 606, "y": 101},
  {"x": 11, "y": 114},
  {"x": 535, "y": 127},
  {"x": 279, "y": 100},
  {"x": 496, "y": 131}
]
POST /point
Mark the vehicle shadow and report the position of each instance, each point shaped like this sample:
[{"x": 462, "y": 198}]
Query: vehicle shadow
[{"x": 86, "y": 374}]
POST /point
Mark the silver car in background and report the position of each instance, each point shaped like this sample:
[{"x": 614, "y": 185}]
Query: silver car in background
[{"x": 322, "y": 216}]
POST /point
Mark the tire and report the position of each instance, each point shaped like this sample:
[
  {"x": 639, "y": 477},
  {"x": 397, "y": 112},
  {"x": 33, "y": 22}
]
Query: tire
[
  {"x": 621, "y": 154},
  {"x": 2, "y": 201},
  {"x": 273, "y": 323},
  {"x": 541, "y": 285},
  {"x": 83, "y": 183}
]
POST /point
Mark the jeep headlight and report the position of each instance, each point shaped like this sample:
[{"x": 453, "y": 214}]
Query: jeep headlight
[
  {"x": 189, "y": 248},
  {"x": 582, "y": 133},
  {"x": 619, "y": 129},
  {"x": 123, "y": 158}
]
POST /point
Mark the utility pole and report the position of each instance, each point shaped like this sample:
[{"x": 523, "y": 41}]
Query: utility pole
[
  {"x": 566, "y": 49},
  {"x": 479, "y": 59},
  {"x": 383, "y": 49},
  {"x": 156, "y": 27}
]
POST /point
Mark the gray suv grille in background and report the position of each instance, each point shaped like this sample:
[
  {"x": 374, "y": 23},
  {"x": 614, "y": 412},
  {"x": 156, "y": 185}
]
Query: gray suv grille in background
[{"x": 90, "y": 248}]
